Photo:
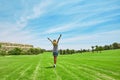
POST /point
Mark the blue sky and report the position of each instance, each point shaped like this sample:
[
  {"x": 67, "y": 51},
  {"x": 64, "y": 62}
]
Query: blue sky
[{"x": 82, "y": 23}]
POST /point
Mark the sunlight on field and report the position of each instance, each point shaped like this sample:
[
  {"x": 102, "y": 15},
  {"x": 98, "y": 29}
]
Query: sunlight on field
[{"x": 87, "y": 66}]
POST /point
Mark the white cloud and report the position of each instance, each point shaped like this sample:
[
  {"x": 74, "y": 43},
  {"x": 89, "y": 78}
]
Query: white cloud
[
  {"x": 73, "y": 25},
  {"x": 12, "y": 32},
  {"x": 81, "y": 20},
  {"x": 103, "y": 36},
  {"x": 60, "y": 28},
  {"x": 37, "y": 11},
  {"x": 83, "y": 16},
  {"x": 86, "y": 41}
]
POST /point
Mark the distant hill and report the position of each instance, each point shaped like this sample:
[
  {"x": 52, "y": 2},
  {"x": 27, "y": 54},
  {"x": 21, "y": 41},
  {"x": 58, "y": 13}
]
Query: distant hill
[{"x": 8, "y": 46}]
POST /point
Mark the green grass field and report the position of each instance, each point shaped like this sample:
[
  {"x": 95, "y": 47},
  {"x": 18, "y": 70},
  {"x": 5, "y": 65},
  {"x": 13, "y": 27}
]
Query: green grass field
[{"x": 87, "y": 66}]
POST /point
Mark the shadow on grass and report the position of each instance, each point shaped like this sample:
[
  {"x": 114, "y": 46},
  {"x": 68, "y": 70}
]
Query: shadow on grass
[{"x": 49, "y": 67}]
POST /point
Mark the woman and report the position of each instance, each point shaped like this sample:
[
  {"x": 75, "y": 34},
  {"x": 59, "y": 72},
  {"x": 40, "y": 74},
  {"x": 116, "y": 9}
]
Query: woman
[{"x": 55, "y": 49}]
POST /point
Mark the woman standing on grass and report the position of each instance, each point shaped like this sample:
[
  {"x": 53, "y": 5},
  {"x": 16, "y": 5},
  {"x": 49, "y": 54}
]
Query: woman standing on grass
[{"x": 55, "y": 49}]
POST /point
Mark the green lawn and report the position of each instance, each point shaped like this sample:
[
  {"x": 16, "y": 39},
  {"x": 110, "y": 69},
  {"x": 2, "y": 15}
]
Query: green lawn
[{"x": 87, "y": 66}]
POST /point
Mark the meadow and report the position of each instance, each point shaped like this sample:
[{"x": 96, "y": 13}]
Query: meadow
[{"x": 85, "y": 66}]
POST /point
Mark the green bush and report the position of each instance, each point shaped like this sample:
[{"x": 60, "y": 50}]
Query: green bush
[
  {"x": 34, "y": 51},
  {"x": 2, "y": 53},
  {"x": 15, "y": 51}
]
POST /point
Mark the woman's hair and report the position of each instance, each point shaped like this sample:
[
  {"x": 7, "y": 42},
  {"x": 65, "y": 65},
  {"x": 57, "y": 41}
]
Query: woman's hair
[{"x": 54, "y": 40}]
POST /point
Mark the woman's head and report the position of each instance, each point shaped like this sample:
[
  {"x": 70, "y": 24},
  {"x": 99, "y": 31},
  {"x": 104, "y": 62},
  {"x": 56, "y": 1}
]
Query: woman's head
[{"x": 54, "y": 42}]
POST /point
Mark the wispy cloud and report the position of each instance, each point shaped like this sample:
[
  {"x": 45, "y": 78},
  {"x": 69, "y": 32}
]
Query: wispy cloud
[
  {"x": 12, "y": 31},
  {"x": 91, "y": 40},
  {"x": 104, "y": 36},
  {"x": 73, "y": 25},
  {"x": 82, "y": 23},
  {"x": 60, "y": 28},
  {"x": 37, "y": 11}
]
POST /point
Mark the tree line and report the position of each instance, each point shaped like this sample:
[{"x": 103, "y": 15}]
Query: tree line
[
  {"x": 93, "y": 49},
  {"x": 35, "y": 51},
  {"x": 97, "y": 48},
  {"x": 19, "y": 51},
  {"x": 72, "y": 51}
]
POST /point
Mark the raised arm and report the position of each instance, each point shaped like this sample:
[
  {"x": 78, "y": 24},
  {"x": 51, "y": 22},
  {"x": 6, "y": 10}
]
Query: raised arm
[
  {"x": 59, "y": 38},
  {"x": 50, "y": 40}
]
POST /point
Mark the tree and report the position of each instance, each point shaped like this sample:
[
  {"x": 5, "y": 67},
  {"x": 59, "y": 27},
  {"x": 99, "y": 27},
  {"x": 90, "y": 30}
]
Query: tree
[
  {"x": 67, "y": 51},
  {"x": 115, "y": 45},
  {"x": 111, "y": 47},
  {"x": 100, "y": 48},
  {"x": 61, "y": 51},
  {"x": 43, "y": 50},
  {"x": 84, "y": 50},
  {"x": 81, "y": 51},
  {"x": 0, "y": 46},
  {"x": 15, "y": 51},
  {"x": 64, "y": 51},
  {"x": 106, "y": 47},
  {"x": 72, "y": 51},
  {"x": 2, "y": 53},
  {"x": 33, "y": 51},
  {"x": 96, "y": 48},
  {"x": 30, "y": 51},
  {"x": 92, "y": 48}
]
